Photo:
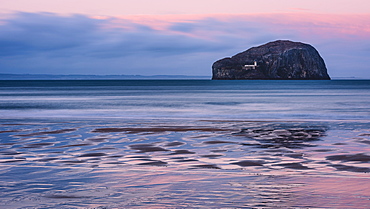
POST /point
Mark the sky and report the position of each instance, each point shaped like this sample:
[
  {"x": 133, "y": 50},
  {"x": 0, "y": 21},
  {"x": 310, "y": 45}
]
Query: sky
[{"x": 175, "y": 37}]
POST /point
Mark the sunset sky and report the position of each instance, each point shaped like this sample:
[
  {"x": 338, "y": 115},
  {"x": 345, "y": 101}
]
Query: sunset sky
[{"x": 170, "y": 37}]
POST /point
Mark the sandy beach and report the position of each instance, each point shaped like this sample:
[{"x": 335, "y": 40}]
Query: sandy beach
[{"x": 84, "y": 164}]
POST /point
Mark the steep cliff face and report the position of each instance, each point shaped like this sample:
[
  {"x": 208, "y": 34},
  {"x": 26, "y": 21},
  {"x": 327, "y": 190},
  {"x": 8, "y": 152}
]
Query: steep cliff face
[{"x": 285, "y": 60}]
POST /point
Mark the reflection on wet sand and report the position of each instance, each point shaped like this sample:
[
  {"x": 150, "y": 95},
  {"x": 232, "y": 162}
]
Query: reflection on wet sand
[
  {"x": 209, "y": 164},
  {"x": 69, "y": 130},
  {"x": 157, "y": 129}
]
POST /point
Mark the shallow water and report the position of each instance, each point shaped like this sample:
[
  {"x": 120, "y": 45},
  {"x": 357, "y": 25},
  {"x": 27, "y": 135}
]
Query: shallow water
[{"x": 186, "y": 144}]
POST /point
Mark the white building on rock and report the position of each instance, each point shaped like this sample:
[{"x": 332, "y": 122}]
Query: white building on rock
[{"x": 250, "y": 67}]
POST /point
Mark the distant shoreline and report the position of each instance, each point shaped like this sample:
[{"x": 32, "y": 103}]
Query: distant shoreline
[
  {"x": 8, "y": 76},
  {"x": 4, "y": 76}
]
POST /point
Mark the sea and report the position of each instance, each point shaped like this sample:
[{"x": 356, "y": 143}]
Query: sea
[{"x": 184, "y": 144}]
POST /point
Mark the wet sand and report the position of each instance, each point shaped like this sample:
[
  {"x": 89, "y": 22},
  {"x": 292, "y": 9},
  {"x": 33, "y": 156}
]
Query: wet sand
[{"x": 208, "y": 164}]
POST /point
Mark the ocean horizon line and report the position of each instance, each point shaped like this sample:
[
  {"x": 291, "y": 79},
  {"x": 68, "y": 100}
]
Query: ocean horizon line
[{"x": 10, "y": 76}]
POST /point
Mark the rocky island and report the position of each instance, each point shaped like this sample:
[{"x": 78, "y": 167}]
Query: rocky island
[{"x": 278, "y": 60}]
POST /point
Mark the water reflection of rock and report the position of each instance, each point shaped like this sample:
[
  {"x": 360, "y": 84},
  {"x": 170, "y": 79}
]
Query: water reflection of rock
[{"x": 282, "y": 136}]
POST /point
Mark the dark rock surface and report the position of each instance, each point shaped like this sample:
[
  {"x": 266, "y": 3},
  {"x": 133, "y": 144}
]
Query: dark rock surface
[{"x": 285, "y": 60}]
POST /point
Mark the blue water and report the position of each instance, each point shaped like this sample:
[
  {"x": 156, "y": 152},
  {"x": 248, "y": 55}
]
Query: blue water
[
  {"x": 323, "y": 100},
  {"x": 184, "y": 144}
]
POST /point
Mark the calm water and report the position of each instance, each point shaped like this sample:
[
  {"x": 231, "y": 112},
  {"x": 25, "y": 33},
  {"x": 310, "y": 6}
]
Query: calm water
[{"x": 185, "y": 144}]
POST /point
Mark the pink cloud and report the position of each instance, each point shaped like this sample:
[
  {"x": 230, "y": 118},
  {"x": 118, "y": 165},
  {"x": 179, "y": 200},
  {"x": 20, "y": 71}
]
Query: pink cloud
[{"x": 306, "y": 24}]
